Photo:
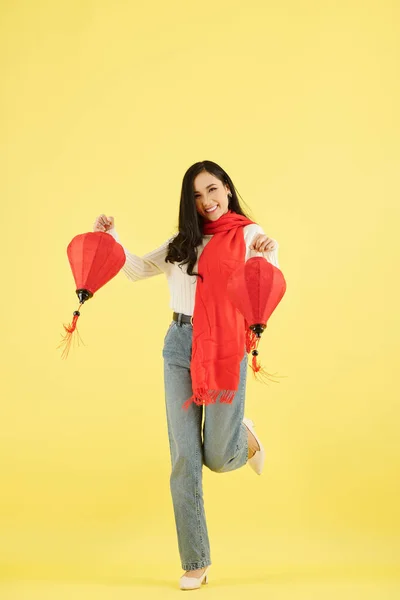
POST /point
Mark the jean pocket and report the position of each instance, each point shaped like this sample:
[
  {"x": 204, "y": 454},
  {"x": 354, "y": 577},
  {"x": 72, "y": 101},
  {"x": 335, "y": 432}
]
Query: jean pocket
[{"x": 171, "y": 325}]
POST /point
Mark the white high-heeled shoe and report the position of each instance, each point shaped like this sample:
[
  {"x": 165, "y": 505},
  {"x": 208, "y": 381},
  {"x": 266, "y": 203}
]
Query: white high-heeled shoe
[
  {"x": 192, "y": 583},
  {"x": 256, "y": 462}
]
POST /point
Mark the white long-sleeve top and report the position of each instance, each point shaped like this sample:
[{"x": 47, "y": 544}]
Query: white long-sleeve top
[{"x": 182, "y": 287}]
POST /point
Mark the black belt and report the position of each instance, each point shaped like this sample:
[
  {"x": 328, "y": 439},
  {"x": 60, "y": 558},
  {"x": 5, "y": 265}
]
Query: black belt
[{"x": 180, "y": 317}]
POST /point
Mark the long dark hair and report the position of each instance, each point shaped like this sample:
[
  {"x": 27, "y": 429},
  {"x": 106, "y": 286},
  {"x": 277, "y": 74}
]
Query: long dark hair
[{"x": 183, "y": 247}]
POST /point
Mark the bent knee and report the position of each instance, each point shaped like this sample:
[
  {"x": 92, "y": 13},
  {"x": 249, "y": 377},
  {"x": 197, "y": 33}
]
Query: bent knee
[{"x": 216, "y": 462}]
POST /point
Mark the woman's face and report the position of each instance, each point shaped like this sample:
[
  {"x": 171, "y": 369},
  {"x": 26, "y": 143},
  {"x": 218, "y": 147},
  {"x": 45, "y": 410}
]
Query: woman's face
[{"x": 209, "y": 191}]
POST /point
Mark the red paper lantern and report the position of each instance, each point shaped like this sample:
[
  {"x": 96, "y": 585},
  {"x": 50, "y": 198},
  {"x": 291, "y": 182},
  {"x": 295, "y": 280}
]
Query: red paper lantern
[
  {"x": 255, "y": 289},
  {"x": 95, "y": 258}
]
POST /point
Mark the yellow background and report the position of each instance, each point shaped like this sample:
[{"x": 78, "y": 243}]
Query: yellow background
[{"x": 104, "y": 105}]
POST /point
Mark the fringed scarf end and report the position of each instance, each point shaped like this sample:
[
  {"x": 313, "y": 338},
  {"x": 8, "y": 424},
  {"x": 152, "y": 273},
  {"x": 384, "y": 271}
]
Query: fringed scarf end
[
  {"x": 202, "y": 396},
  {"x": 227, "y": 396}
]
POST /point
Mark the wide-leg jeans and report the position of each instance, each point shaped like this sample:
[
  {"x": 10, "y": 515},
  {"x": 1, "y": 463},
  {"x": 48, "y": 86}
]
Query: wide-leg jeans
[{"x": 220, "y": 443}]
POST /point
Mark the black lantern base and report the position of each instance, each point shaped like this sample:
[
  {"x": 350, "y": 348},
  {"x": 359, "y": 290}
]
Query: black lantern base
[
  {"x": 83, "y": 295},
  {"x": 258, "y": 328}
]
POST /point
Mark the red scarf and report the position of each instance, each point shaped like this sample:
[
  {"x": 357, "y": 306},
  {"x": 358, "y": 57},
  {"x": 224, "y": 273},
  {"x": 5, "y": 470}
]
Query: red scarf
[{"x": 219, "y": 330}]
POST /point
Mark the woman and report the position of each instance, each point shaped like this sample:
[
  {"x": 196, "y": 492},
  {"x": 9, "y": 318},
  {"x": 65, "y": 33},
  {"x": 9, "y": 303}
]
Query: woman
[{"x": 209, "y": 208}]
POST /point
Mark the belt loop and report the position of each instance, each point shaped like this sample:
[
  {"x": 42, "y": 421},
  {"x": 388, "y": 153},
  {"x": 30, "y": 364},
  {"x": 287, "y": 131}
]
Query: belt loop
[{"x": 180, "y": 319}]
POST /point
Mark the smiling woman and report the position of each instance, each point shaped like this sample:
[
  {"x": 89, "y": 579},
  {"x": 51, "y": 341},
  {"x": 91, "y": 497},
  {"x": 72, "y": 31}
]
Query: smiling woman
[
  {"x": 211, "y": 195},
  {"x": 205, "y": 185},
  {"x": 215, "y": 236}
]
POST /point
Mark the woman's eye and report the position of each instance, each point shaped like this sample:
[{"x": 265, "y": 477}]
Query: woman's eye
[{"x": 210, "y": 190}]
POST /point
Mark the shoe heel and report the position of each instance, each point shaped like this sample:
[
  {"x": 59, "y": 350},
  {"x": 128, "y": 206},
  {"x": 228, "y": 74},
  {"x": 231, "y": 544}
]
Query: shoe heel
[{"x": 205, "y": 580}]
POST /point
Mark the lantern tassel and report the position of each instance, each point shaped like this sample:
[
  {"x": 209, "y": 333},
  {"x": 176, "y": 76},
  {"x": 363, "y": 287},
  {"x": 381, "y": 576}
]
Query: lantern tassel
[
  {"x": 71, "y": 335},
  {"x": 260, "y": 374}
]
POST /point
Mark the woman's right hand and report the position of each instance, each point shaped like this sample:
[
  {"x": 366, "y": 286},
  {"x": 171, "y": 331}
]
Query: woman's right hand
[{"x": 103, "y": 223}]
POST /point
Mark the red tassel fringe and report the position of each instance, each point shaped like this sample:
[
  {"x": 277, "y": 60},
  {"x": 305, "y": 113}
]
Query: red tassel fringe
[
  {"x": 252, "y": 341},
  {"x": 206, "y": 397},
  {"x": 71, "y": 335}
]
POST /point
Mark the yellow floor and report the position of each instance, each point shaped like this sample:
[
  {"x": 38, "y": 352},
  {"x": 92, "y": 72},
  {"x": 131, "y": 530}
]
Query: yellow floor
[
  {"x": 123, "y": 563},
  {"x": 283, "y": 586}
]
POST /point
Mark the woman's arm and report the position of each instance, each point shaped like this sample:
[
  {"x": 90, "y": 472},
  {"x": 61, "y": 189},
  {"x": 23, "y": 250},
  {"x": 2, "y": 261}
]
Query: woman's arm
[
  {"x": 143, "y": 267},
  {"x": 251, "y": 232}
]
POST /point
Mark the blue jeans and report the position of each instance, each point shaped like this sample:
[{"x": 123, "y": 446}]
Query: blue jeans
[{"x": 221, "y": 444}]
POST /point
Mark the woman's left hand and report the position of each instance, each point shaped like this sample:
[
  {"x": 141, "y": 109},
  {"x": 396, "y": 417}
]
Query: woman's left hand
[{"x": 263, "y": 243}]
